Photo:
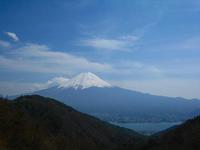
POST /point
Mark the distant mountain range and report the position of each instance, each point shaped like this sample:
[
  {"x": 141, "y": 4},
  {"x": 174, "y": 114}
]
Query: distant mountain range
[
  {"x": 38, "y": 123},
  {"x": 90, "y": 94}
]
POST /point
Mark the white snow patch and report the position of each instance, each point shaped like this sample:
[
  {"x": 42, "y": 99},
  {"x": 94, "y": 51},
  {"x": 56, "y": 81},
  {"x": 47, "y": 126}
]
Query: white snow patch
[{"x": 85, "y": 80}]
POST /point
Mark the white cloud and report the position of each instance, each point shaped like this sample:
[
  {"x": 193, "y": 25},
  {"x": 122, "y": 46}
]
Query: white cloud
[
  {"x": 13, "y": 36},
  {"x": 186, "y": 44},
  {"x": 40, "y": 59},
  {"x": 9, "y": 88},
  {"x": 50, "y": 83},
  {"x": 191, "y": 43},
  {"x": 137, "y": 69},
  {"x": 122, "y": 43},
  {"x": 129, "y": 38},
  {"x": 15, "y": 88},
  {"x": 4, "y": 44}
]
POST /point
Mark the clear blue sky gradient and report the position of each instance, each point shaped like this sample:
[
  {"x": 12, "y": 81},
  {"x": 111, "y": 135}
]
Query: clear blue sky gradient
[{"x": 151, "y": 46}]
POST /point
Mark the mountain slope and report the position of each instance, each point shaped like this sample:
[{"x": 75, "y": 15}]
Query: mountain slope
[
  {"x": 182, "y": 137},
  {"x": 35, "y": 122},
  {"x": 118, "y": 104}
]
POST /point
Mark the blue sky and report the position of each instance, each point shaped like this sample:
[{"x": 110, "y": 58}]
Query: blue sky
[{"x": 150, "y": 46}]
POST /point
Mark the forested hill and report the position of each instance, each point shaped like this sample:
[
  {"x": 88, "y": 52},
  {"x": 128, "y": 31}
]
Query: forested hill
[{"x": 38, "y": 123}]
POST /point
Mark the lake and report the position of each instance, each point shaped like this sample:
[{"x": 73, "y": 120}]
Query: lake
[{"x": 147, "y": 128}]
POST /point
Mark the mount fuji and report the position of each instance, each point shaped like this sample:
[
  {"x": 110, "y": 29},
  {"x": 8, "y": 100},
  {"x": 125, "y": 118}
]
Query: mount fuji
[
  {"x": 90, "y": 94},
  {"x": 84, "y": 81}
]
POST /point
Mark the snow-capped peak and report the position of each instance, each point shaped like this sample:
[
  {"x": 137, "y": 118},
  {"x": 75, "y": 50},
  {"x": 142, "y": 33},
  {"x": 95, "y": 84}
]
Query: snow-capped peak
[{"x": 85, "y": 80}]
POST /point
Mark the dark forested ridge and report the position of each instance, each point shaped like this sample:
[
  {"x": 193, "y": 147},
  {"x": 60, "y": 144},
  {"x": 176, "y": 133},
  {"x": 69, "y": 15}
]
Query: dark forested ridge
[
  {"x": 182, "y": 137},
  {"x": 39, "y": 123},
  {"x": 35, "y": 122}
]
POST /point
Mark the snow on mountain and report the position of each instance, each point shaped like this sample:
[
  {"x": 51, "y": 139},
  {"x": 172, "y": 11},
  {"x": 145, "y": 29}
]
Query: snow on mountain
[{"x": 85, "y": 80}]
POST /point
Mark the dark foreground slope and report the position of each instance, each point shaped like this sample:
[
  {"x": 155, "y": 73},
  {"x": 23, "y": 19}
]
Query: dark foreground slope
[
  {"x": 182, "y": 137},
  {"x": 38, "y": 123}
]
